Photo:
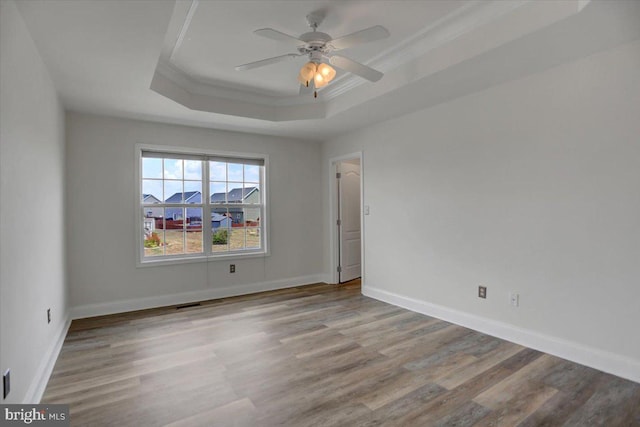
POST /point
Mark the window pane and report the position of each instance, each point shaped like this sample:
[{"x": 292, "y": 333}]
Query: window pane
[
  {"x": 251, "y": 173},
  {"x": 218, "y": 191},
  {"x": 172, "y": 169},
  {"x": 252, "y": 217},
  {"x": 220, "y": 225},
  {"x": 235, "y": 172},
  {"x": 173, "y": 214},
  {"x": 235, "y": 194},
  {"x": 175, "y": 222},
  {"x": 251, "y": 193},
  {"x": 151, "y": 168},
  {"x": 174, "y": 238},
  {"x": 194, "y": 217},
  {"x": 236, "y": 241},
  {"x": 194, "y": 230},
  {"x": 252, "y": 224},
  {"x": 153, "y": 234},
  {"x": 253, "y": 238},
  {"x": 152, "y": 191},
  {"x": 217, "y": 171},
  {"x": 173, "y": 192},
  {"x": 192, "y": 192},
  {"x": 193, "y": 169}
]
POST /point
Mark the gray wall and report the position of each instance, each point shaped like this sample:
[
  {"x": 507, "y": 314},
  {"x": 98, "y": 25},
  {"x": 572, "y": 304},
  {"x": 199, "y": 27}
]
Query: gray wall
[
  {"x": 32, "y": 247},
  {"x": 531, "y": 186},
  {"x": 102, "y": 210}
]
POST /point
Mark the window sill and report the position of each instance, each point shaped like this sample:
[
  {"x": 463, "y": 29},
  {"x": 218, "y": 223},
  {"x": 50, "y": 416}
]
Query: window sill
[{"x": 200, "y": 258}]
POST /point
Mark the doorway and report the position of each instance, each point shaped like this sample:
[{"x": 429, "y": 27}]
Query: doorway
[{"x": 348, "y": 219}]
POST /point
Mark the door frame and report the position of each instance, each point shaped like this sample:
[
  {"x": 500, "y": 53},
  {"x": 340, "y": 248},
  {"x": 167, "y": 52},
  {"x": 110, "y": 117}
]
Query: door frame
[{"x": 334, "y": 241}]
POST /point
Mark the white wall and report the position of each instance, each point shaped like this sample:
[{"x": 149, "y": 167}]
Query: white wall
[
  {"x": 102, "y": 208},
  {"x": 32, "y": 247},
  {"x": 532, "y": 186}
]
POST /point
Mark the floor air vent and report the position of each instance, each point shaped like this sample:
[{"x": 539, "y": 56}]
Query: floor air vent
[{"x": 195, "y": 304}]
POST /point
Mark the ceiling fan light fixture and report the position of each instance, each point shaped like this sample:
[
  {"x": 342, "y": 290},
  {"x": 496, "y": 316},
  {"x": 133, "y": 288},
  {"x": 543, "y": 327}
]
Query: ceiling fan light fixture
[
  {"x": 324, "y": 73},
  {"x": 307, "y": 72},
  {"x": 321, "y": 74},
  {"x": 319, "y": 81}
]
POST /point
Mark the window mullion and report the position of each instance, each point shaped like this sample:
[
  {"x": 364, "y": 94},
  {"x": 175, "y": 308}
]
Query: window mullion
[
  {"x": 184, "y": 212},
  {"x": 244, "y": 212},
  {"x": 164, "y": 232},
  {"x": 206, "y": 210}
]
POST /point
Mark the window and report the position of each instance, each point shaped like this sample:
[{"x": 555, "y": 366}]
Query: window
[{"x": 200, "y": 205}]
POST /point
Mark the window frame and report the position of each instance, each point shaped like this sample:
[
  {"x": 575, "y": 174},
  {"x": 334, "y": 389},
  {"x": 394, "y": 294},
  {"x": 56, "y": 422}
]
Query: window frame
[{"x": 207, "y": 232}]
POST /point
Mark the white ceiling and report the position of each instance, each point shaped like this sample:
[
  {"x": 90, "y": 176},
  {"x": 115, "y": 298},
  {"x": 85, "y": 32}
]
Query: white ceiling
[
  {"x": 220, "y": 36},
  {"x": 125, "y": 58}
]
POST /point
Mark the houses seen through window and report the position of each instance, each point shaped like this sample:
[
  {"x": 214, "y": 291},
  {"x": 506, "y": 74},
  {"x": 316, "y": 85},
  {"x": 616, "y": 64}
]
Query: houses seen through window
[{"x": 200, "y": 205}]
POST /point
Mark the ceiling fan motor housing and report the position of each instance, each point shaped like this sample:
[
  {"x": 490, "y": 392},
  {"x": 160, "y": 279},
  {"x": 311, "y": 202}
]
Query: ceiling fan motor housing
[
  {"x": 316, "y": 56},
  {"x": 315, "y": 37},
  {"x": 316, "y": 45}
]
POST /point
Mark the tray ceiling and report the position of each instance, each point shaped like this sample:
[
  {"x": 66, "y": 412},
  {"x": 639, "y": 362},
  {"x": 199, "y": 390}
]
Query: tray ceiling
[
  {"x": 173, "y": 61},
  {"x": 218, "y": 35}
]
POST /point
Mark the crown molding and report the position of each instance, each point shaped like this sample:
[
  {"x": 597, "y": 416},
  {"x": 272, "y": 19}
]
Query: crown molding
[
  {"x": 178, "y": 92},
  {"x": 451, "y": 26},
  {"x": 461, "y": 21},
  {"x": 455, "y": 31},
  {"x": 185, "y": 27},
  {"x": 198, "y": 86}
]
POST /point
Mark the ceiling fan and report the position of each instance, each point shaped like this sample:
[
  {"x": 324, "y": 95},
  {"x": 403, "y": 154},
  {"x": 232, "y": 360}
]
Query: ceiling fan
[{"x": 319, "y": 47}]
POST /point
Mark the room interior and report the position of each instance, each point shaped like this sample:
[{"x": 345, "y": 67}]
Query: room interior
[{"x": 500, "y": 149}]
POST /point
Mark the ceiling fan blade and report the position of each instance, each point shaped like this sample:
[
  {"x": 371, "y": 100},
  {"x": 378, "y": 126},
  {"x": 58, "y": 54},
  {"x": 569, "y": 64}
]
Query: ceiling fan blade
[
  {"x": 367, "y": 35},
  {"x": 272, "y": 34},
  {"x": 356, "y": 68},
  {"x": 267, "y": 61}
]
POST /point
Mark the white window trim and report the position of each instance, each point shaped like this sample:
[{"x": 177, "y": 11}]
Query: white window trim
[{"x": 206, "y": 231}]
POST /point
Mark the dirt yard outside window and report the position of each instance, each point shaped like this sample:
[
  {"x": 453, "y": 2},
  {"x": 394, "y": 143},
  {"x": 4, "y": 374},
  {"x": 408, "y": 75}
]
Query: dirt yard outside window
[{"x": 174, "y": 242}]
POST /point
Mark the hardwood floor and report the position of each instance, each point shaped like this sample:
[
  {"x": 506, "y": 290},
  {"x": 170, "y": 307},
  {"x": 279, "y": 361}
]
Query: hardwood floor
[{"x": 319, "y": 355}]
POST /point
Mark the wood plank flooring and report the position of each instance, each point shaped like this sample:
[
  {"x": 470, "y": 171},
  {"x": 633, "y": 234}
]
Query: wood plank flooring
[{"x": 319, "y": 355}]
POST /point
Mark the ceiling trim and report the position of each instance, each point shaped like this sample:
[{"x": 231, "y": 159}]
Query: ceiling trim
[
  {"x": 448, "y": 28},
  {"x": 198, "y": 86},
  {"x": 185, "y": 27},
  {"x": 233, "y": 106},
  {"x": 460, "y": 21},
  {"x": 420, "y": 52}
]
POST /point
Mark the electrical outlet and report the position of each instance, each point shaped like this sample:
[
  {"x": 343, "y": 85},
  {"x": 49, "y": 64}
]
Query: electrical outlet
[
  {"x": 232, "y": 268},
  {"x": 48, "y": 315},
  {"x": 482, "y": 291},
  {"x": 6, "y": 384},
  {"x": 514, "y": 299}
]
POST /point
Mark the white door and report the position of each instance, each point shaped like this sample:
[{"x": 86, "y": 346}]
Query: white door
[{"x": 349, "y": 220}]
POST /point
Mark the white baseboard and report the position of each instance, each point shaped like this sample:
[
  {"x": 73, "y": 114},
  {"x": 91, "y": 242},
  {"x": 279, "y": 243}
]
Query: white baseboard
[
  {"x": 91, "y": 310},
  {"x": 41, "y": 378},
  {"x": 615, "y": 364},
  {"x": 326, "y": 278}
]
